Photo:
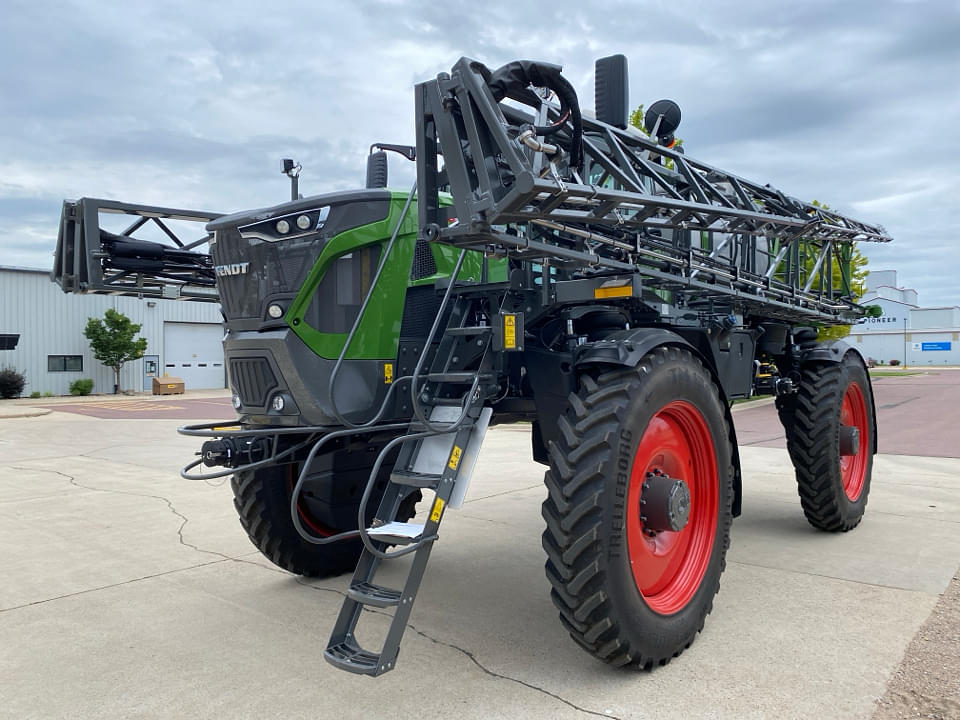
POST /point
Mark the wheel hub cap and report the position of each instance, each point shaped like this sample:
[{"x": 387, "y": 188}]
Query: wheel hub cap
[
  {"x": 665, "y": 503},
  {"x": 849, "y": 440}
]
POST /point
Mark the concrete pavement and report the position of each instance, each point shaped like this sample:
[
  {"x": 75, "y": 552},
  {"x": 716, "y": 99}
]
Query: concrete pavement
[{"x": 129, "y": 592}]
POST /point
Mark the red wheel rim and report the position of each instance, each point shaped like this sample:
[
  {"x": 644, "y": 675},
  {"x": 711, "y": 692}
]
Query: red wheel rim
[
  {"x": 669, "y": 567},
  {"x": 318, "y": 528},
  {"x": 853, "y": 468}
]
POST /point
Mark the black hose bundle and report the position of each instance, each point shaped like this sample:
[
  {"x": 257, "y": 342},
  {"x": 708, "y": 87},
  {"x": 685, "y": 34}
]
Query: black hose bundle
[{"x": 513, "y": 81}]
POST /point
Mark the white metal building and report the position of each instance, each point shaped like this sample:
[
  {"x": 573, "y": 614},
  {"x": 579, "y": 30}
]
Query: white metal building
[
  {"x": 905, "y": 331},
  {"x": 184, "y": 338}
]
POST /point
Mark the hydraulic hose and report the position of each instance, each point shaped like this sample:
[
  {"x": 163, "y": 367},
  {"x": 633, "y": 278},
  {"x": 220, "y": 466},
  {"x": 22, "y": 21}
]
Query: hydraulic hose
[{"x": 513, "y": 80}]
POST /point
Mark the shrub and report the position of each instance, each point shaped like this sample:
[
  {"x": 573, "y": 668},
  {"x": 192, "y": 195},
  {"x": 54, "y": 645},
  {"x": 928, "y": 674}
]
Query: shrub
[
  {"x": 35, "y": 394},
  {"x": 894, "y": 363},
  {"x": 48, "y": 393},
  {"x": 84, "y": 386},
  {"x": 11, "y": 383}
]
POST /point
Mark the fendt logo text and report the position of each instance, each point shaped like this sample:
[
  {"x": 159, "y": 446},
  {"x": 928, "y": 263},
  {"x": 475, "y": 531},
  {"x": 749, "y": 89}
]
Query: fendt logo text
[{"x": 232, "y": 269}]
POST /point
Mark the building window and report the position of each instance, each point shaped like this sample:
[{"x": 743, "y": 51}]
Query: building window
[{"x": 64, "y": 363}]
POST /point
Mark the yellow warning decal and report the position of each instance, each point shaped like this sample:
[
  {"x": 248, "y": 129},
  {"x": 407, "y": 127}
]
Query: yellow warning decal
[
  {"x": 387, "y": 373},
  {"x": 437, "y": 510},
  {"x": 509, "y": 332},
  {"x": 611, "y": 292},
  {"x": 455, "y": 457}
]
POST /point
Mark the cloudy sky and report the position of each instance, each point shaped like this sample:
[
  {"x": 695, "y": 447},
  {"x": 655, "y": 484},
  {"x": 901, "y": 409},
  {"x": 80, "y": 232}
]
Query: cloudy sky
[{"x": 192, "y": 104}]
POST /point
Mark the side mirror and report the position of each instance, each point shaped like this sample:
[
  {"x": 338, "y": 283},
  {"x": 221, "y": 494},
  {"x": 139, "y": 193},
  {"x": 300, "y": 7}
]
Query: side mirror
[
  {"x": 408, "y": 151},
  {"x": 377, "y": 169},
  {"x": 662, "y": 119},
  {"x": 611, "y": 94}
]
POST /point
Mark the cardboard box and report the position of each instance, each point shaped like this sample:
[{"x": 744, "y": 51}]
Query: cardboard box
[{"x": 168, "y": 386}]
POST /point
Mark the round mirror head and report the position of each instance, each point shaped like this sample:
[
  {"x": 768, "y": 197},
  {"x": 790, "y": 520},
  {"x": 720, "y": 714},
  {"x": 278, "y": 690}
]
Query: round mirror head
[{"x": 668, "y": 112}]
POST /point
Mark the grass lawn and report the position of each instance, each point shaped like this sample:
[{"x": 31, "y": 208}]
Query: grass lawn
[{"x": 893, "y": 373}]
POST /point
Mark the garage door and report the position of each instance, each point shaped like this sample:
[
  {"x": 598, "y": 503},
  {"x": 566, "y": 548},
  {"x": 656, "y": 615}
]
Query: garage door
[{"x": 194, "y": 352}]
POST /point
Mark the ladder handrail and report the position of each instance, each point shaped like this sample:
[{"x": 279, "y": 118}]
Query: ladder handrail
[
  {"x": 414, "y": 390},
  {"x": 295, "y": 493},
  {"x": 353, "y": 331}
]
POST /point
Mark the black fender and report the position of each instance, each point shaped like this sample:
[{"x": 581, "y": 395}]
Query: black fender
[
  {"x": 829, "y": 351},
  {"x": 835, "y": 351},
  {"x": 625, "y": 348}
]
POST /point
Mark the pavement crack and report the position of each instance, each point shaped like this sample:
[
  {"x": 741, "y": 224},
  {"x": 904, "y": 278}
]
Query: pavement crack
[
  {"x": 111, "y": 585},
  {"x": 890, "y": 406},
  {"x": 762, "y": 440},
  {"x": 825, "y": 576},
  {"x": 170, "y": 506},
  {"x": 518, "y": 681},
  {"x": 505, "y": 492},
  {"x": 468, "y": 654}
]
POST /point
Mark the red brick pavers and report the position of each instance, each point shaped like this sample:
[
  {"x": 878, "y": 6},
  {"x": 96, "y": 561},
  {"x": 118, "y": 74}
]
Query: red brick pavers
[
  {"x": 916, "y": 415},
  {"x": 169, "y": 406}
]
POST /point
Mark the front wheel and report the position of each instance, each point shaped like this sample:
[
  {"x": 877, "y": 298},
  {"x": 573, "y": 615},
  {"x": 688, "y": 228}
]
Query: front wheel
[
  {"x": 328, "y": 505},
  {"x": 830, "y": 437},
  {"x": 639, "y": 508}
]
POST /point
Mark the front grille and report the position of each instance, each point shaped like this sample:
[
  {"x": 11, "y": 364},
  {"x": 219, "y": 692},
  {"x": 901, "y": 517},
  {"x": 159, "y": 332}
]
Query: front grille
[
  {"x": 419, "y": 312},
  {"x": 423, "y": 263},
  {"x": 252, "y": 379},
  {"x": 269, "y": 269}
]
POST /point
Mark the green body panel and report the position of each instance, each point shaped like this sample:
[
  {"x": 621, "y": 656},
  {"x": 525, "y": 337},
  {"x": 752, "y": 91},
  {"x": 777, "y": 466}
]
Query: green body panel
[{"x": 378, "y": 333}]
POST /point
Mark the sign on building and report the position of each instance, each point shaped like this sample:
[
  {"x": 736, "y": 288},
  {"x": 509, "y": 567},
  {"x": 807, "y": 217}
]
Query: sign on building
[{"x": 927, "y": 346}]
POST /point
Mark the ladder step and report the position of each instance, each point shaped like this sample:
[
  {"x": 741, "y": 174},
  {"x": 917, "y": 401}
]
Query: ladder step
[
  {"x": 415, "y": 479},
  {"x": 397, "y": 533},
  {"x": 448, "y": 402},
  {"x": 469, "y": 331},
  {"x": 462, "y": 378},
  {"x": 416, "y": 426},
  {"x": 349, "y": 656},
  {"x": 368, "y": 593}
]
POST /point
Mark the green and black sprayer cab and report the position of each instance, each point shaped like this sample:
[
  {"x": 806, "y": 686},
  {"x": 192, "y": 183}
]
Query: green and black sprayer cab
[{"x": 550, "y": 268}]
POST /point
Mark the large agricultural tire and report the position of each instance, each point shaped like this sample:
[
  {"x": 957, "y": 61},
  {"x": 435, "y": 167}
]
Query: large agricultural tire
[
  {"x": 833, "y": 486},
  {"x": 262, "y": 500},
  {"x": 627, "y": 597}
]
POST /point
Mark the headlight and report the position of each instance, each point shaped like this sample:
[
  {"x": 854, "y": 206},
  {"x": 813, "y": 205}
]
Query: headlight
[
  {"x": 236, "y": 402},
  {"x": 278, "y": 403}
]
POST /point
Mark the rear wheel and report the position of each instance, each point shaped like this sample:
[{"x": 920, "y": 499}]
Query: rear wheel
[
  {"x": 830, "y": 439},
  {"x": 639, "y": 508},
  {"x": 262, "y": 499}
]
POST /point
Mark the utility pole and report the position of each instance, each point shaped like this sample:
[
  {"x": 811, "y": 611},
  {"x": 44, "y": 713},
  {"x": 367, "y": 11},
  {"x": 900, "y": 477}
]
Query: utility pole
[{"x": 904, "y": 342}]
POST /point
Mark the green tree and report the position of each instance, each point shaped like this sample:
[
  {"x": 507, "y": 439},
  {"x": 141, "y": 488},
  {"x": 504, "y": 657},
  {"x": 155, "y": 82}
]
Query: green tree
[
  {"x": 113, "y": 341},
  {"x": 858, "y": 276}
]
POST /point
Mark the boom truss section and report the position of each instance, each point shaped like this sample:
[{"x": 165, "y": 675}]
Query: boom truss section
[
  {"x": 173, "y": 263},
  {"x": 631, "y": 205}
]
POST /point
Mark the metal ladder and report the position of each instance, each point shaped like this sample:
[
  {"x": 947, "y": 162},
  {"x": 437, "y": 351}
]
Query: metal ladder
[{"x": 437, "y": 453}]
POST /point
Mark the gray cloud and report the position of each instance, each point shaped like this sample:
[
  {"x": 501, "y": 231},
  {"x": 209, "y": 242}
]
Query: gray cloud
[{"x": 192, "y": 104}]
